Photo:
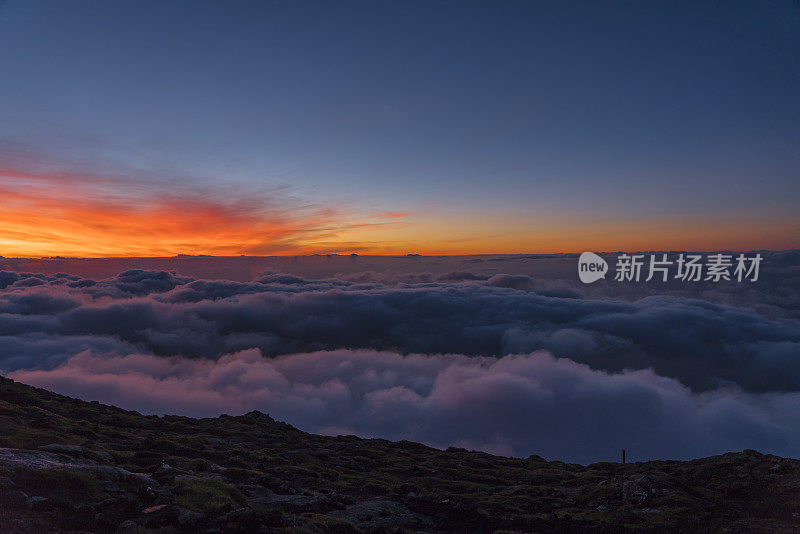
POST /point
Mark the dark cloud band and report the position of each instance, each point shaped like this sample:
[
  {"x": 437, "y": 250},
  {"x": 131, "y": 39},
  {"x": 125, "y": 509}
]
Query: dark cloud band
[{"x": 448, "y": 358}]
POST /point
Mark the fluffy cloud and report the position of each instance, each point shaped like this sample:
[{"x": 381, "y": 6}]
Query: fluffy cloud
[
  {"x": 702, "y": 344},
  {"x": 448, "y": 357},
  {"x": 514, "y": 405}
]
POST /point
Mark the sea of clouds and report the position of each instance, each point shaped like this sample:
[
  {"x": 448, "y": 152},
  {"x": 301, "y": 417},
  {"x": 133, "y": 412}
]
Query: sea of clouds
[{"x": 506, "y": 363}]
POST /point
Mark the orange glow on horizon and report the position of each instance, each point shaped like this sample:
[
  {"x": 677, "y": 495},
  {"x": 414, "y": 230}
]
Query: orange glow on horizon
[
  {"x": 56, "y": 217},
  {"x": 64, "y": 216}
]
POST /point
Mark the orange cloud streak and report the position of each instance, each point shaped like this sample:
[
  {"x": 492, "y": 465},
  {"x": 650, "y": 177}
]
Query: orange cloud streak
[
  {"x": 69, "y": 215},
  {"x": 55, "y": 215}
]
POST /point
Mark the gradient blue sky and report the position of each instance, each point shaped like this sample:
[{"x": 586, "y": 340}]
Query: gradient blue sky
[{"x": 514, "y": 114}]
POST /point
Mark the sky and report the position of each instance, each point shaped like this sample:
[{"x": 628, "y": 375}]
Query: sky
[{"x": 259, "y": 128}]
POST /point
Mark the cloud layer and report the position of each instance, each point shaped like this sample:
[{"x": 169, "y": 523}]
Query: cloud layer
[
  {"x": 514, "y": 405},
  {"x": 702, "y": 344},
  {"x": 498, "y": 362}
]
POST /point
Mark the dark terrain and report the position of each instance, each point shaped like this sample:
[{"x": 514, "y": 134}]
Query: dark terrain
[{"x": 73, "y": 466}]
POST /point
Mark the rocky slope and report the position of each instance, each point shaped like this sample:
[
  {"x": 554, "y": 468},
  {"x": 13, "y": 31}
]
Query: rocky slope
[{"x": 72, "y": 466}]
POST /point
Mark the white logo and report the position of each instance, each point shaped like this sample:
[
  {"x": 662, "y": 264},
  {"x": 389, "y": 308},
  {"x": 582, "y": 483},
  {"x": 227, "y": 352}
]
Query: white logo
[
  {"x": 591, "y": 267},
  {"x": 688, "y": 267}
]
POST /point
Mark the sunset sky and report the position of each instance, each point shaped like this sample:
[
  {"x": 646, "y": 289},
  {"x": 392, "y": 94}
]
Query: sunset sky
[
  {"x": 152, "y": 128},
  {"x": 138, "y": 135}
]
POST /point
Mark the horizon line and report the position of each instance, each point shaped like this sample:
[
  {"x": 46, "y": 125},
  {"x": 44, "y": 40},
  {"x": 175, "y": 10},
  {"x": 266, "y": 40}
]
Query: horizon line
[{"x": 406, "y": 255}]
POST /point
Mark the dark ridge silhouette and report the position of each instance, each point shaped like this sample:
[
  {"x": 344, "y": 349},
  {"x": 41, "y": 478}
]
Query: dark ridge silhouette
[{"x": 72, "y": 466}]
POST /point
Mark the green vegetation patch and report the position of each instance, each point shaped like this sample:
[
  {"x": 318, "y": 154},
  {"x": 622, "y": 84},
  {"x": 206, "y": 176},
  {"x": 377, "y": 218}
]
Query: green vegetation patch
[{"x": 206, "y": 495}]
